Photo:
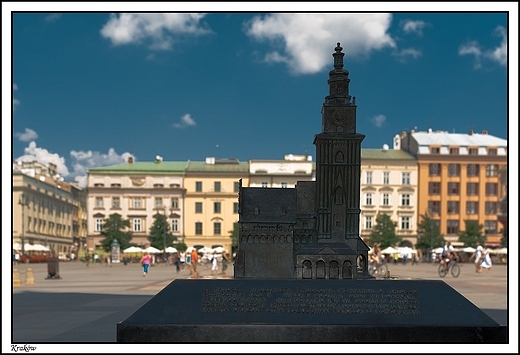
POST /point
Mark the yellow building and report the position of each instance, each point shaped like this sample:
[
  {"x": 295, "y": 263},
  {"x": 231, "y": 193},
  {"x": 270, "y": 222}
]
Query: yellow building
[
  {"x": 136, "y": 191},
  {"x": 389, "y": 183},
  {"x": 458, "y": 179},
  {"x": 211, "y": 201}
]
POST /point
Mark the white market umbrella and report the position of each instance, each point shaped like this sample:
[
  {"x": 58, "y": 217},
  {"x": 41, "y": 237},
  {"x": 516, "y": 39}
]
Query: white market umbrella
[
  {"x": 35, "y": 247},
  {"x": 17, "y": 246},
  {"x": 469, "y": 250},
  {"x": 389, "y": 250},
  {"x": 133, "y": 250},
  {"x": 438, "y": 250},
  {"x": 152, "y": 250},
  {"x": 502, "y": 251},
  {"x": 206, "y": 250},
  {"x": 219, "y": 249},
  {"x": 171, "y": 250},
  {"x": 190, "y": 249}
]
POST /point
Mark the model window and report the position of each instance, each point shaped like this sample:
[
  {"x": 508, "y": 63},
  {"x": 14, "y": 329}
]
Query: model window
[
  {"x": 434, "y": 169},
  {"x": 492, "y": 170},
  {"x": 369, "y": 221},
  {"x": 98, "y": 227},
  {"x": 235, "y": 207},
  {"x": 405, "y": 200},
  {"x": 158, "y": 202},
  {"x": 491, "y": 189},
  {"x": 175, "y": 225},
  {"x": 491, "y": 207},
  {"x": 368, "y": 177},
  {"x": 284, "y": 184},
  {"x": 368, "y": 199},
  {"x": 453, "y": 188},
  {"x": 472, "y": 188},
  {"x": 473, "y": 151},
  {"x": 216, "y": 186},
  {"x": 434, "y": 188},
  {"x": 405, "y": 223},
  {"x": 434, "y": 207},
  {"x": 490, "y": 227},
  {"x": 116, "y": 202},
  {"x": 216, "y": 228},
  {"x": 472, "y": 170},
  {"x": 198, "y": 186},
  {"x": 265, "y": 184},
  {"x": 386, "y": 199},
  {"x": 386, "y": 178},
  {"x": 453, "y": 207},
  {"x": 198, "y": 228},
  {"x": 236, "y": 186},
  {"x": 492, "y": 151},
  {"x": 453, "y": 226},
  {"x": 471, "y": 207},
  {"x": 216, "y": 207},
  {"x": 99, "y": 202},
  {"x": 453, "y": 169},
  {"x": 175, "y": 202},
  {"x": 405, "y": 178},
  {"x": 198, "y": 207},
  {"x": 454, "y": 151},
  {"x": 137, "y": 225}
]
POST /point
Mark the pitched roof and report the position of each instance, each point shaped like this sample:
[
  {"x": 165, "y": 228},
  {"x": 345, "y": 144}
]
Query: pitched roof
[
  {"x": 201, "y": 166},
  {"x": 389, "y": 154},
  {"x": 458, "y": 139},
  {"x": 155, "y": 167}
]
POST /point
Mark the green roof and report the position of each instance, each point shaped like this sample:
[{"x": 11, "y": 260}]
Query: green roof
[
  {"x": 201, "y": 166},
  {"x": 390, "y": 154},
  {"x": 155, "y": 167}
]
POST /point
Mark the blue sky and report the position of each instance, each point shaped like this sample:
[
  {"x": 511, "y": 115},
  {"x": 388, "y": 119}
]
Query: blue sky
[{"x": 90, "y": 89}]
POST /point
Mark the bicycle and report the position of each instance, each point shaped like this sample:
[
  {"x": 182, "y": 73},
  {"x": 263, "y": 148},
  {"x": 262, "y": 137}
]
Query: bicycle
[
  {"x": 381, "y": 269},
  {"x": 452, "y": 267}
]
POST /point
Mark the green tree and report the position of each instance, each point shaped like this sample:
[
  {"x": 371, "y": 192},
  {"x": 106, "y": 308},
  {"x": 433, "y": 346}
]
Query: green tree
[
  {"x": 180, "y": 246},
  {"x": 472, "y": 234},
  {"x": 384, "y": 232},
  {"x": 234, "y": 235},
  {"x": 113, "y": 229},
  {"x": 503, "y": 240},
  {"x": 428, "y": 234},
  {"x": 160, "y": 233}
]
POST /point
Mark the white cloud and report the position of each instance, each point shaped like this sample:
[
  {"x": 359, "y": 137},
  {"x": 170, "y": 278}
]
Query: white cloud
[
  {"x": 410, "y": 26},
  {"x": 403, "y": 54},
  {"x": 158, "y": 28},
  {"x": 186, "y": 121},
  {"x": 27, "y": 136},
  {"x": 42, "y": 155},
  {"x": 378, "y": 120},
  {"x": 498, "y": 54},
  {"x": 15, "y": 101},
  {"x": 305, "y": 42},
  {"x": 52, "y": 17},
  {"x": 82, "y": 161}
]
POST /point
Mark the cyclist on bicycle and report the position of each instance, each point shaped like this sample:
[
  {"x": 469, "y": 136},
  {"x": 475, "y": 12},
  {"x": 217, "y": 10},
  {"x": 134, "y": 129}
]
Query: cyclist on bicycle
[{"x": 448, "y": 254}]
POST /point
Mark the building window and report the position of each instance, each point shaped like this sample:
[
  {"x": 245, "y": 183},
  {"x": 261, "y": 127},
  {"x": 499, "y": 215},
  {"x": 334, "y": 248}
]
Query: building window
[
  {"x": 175, "y": 225},
  {"x": 435, "y": 150},
  {"x": 284, "y": 184},
  {"x": 386, "y": 199},
  {"x": 158, "y": 186},
  {"x": 198, "y": 207},
  {"x": 98, "y": 224},
  {"x": 175, "y": 202},
  {"x": 453, "y": 226},
  {"x": 216, "y": 186},
  {"x": 491, "y": 170},
  {"x": 472, "y": 170},
  {"x": 491, "y": 189},
  {"x": 434, "y": 207},
  {"x": 454, "y": 151},
  {"x": 404, "y": 223},
  {"x": 492, "y": 151},
  {"x": 434, "y": 188},
  {"x": 116, "y": 202},
  {"x": 491, "y": 207},
  {"x": 216, "y": 228},
  {"x": 405, "y": 200},
  {"x": 136, "y": 202},
  {"x": 198, "y": 228},
  {"x": 236, "y": 186},
  {"x": 235, "y": 207},
  {"x": 453, "y": 169},
  {"x": 368, "y": 177},
  {"x": 99, "y": 184},
  {"x": 453, "y": 188},
  {"x": 265, "y": 184},
  {"x": 472, "y": 189},
  {"x": 386, "y": 178},
  {"x": 369, "y": 222},
  {"x": 490, "y": 227},
  {"x": 473, "y": 151},
  {"x": 99, "y": 202},
  {"x": 369, "y": 199},
  {"x": 216, "y": 207},
  {"x": 158, "y": 202},
  {"x": 405, "y": 178},
  {"x": 471, "y": 207},
  {"x": 434, "y": 169},
  {"x": 198, "y": 186},
  {"x": 137, "y": 225},
  {"x": 453, "y": 207}
]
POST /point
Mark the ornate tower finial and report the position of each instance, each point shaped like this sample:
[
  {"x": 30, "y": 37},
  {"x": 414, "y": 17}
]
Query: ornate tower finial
[{"x": 338, "y": 57}]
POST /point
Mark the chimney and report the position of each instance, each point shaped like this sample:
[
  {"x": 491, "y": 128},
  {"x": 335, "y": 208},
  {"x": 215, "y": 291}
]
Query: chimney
[
  {"x": 470, "y": 132},
  {"x": 130, "y": 160},
  {"x": 484, "y": 131}
]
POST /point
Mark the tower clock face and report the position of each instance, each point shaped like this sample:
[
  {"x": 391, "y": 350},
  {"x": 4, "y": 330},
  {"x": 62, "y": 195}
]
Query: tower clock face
[{"x": 340, "y": 116}]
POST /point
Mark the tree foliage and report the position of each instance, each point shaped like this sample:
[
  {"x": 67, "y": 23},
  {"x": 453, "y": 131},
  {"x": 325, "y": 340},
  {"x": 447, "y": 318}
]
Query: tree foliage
[
  {"x": 428, "y": 234},
  {"x": 503, "y": 240},
  {"x": 472, "y": 234},
  {"x": 234, "y": 235},
  {"x": 384, "y": 231},
  {"x": 160, "y": 232},
  {"x": 113, "y": 229}
]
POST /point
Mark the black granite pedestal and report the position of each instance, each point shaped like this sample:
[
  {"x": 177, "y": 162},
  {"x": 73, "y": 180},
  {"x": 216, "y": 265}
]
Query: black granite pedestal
[{"x": 309, "y": 311}]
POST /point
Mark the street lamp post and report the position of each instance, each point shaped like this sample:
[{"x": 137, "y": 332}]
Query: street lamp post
[
  {"x": 164, "y": 233},
  {"x": 22, "y": 201}
]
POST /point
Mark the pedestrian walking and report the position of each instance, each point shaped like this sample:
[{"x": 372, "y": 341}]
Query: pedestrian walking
[
  {"x": 194, "y": 260},
  {"x": 214, "y": 264},
  {"x": 177, "y": 262},
  {"x": 486, "y": 261},
  {"x": 87, "y": 259},
  {"x": 478, "y": 258},
  {"x": 225, "y": 262},
  {"x": 145, "y": 261}
]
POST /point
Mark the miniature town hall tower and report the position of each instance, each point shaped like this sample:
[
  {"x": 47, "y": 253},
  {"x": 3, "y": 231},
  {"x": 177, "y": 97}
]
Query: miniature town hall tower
[{"x": 311, "y": 231}]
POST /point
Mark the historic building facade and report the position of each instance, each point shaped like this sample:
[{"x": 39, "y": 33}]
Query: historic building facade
[
  {"x": 458, "y": 179},
  {"x": 136, "y": 191},
  {"x": 389, "y": 185}
]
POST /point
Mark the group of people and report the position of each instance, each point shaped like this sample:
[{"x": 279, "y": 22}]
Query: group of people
[
  {"x": 481, "y": 256},
  {"x": 191, "y": 259}
]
